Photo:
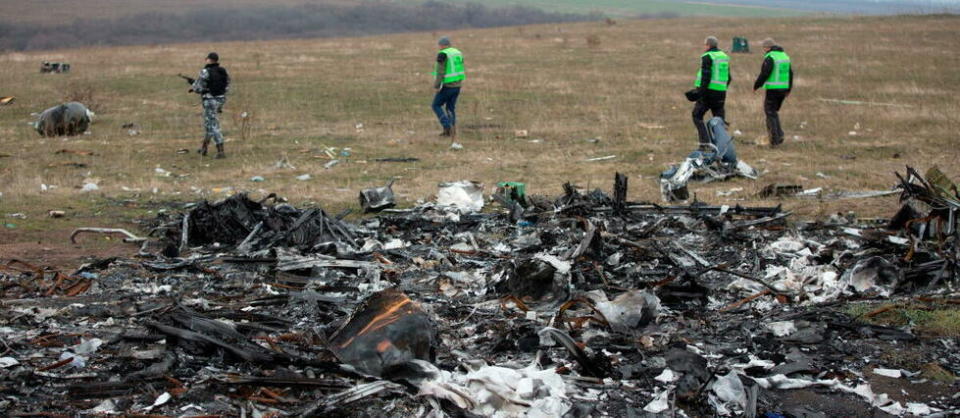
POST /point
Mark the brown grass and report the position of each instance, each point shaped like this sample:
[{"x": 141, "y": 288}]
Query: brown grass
[{"x": 625, "y": 89}]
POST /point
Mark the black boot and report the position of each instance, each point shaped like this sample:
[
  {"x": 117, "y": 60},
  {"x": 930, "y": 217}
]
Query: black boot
[
  {"x": 220, "y": 153},
  {"x": 203, "y": 147},
  {"x": 446, "y": 131},
  {"x": 774, "y": 131}
]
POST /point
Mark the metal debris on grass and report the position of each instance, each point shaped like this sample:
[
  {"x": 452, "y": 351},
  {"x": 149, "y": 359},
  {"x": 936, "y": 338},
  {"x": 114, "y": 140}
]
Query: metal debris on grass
[{"x": 581, "y": 305}]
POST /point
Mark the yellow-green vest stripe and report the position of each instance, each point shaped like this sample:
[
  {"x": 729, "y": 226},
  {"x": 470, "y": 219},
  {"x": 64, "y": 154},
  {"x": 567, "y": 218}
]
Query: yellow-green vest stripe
[
  {"x": 719, "y": 71},
  {"x": 780, "y": 76},
  {"x": 454, "y": 70}
]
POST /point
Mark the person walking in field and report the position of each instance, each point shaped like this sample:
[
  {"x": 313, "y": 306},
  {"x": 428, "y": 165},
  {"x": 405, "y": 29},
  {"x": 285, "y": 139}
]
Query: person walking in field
[
  {"x": 449, "y": 74},
  {"x": 711, "y": 87},
  {"x": 776, "y": 78},
  {"x": 212, "y": 85}
]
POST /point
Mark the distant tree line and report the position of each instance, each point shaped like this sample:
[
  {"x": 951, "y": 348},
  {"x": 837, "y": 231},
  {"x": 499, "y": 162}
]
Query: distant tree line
[{"x": 272, "y": 22}]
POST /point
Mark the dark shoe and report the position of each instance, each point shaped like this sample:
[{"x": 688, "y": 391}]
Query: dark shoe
[
  {"x": 446, "y": 131},
  {"x": 220, "y": 154},
  {"x": 203, "y": 148}
]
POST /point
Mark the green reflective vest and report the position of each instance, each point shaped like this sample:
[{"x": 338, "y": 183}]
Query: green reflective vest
[
  {"x": 719, "y": 71},
  {"x": 454, "y": 71},
  {"x": 780, "y": 76}
]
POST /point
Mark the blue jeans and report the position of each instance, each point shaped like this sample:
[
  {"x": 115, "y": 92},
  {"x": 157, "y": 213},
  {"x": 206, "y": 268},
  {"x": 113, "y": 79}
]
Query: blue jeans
[{"x": 447, "y": 96}]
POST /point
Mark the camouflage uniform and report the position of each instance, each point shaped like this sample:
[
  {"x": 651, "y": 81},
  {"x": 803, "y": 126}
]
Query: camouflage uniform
[
  {"x": 212, "y": 105},
  {"x": 211, "y": 125},
  {"x": 212, "y": 85}
]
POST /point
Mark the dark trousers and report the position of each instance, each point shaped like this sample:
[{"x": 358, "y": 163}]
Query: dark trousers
[
  {"x": 713, "y": 101},
  {"x": 446, "y": 97},
  {"x": 771, "y": 106}
]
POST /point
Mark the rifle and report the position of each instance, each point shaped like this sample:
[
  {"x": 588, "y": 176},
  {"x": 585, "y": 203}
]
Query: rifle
[{"x": 189, "y": 80}]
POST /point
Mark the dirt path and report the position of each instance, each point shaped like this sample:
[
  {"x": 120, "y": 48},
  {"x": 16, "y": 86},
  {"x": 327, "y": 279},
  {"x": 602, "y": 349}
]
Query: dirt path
[{"x": 53, "y": 248}]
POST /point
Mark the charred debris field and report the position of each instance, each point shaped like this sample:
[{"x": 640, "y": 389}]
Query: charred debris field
[{"x": 584, "y": 304}]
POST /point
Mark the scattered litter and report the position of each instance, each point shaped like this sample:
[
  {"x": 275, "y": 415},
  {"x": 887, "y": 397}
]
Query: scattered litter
[
  {"x": 858, "y": 102},
  {"x": 283, "y": 163},
  {"x": 89, "y": 187},
  {"x": 377, "y": 199},
  {"x": 730, "y": 192},
  {"x": 56, "y": 213},
  {"x": 330, "y": 164},
  {"x": 604, "y": 158},
  {"x": 456, "y": 146},
  {"x": 304, "y": 177},
  {"x": 257, "y": 179},
  {"x": 521, "y": 133}
]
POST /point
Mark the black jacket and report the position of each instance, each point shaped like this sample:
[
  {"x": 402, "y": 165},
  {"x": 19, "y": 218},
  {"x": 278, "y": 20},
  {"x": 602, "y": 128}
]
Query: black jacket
[
  {"x": 706, "y": 66},
  {"x": 767, "y": 68},
  {"x": 218, "y": 80}
]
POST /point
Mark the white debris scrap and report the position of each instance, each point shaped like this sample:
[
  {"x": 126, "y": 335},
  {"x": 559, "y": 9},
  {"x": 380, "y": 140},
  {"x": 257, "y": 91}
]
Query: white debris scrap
[
  {"x": 666, "y": 376},
  {"x": 894, "y": 373},
  {"x": 501, "y": 391},
  {"x": 465, "y": 195},
  {"x": 628, "y": 311},
  {"x": 728, "y": 392},
  {"x": 881, "y": 401},
  {"x": 782, "y": 328},
  {"x": 660, "y": 403}
]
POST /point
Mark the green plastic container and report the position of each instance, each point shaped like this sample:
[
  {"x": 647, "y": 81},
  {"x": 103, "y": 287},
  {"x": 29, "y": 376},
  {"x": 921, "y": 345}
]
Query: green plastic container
[
  {"x": 509, "y": 187},
  {"x": 740, "y": 44}
]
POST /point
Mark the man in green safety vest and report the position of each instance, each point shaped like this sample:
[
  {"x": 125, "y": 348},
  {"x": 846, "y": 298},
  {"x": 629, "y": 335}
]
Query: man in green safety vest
[
  {"x": 776, "y": 78},
  {"x": 449, "y": 74},
  {"x": 712, "y": 83}
]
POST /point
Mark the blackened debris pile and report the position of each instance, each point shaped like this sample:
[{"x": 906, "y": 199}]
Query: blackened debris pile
[
  {"x": 248, "y": 226},
  {"x": 583, "y": 305}
]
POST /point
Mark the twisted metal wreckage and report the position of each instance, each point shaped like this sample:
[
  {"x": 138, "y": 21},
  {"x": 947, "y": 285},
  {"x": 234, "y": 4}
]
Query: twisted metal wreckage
[{"x": 586, "y": 305}]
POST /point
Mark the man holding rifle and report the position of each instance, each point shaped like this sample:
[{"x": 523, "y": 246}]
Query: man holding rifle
[{"x": 212, "y": 85}]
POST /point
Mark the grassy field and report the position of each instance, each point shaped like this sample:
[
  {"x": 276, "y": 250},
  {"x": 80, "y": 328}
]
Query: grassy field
[
  {"x": 632, "y": 8},
  {"x": 621, "y": 84}
]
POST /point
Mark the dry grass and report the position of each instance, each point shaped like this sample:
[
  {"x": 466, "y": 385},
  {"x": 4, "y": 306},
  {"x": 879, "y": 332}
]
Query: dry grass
[{"x": 305, "y": 95}]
